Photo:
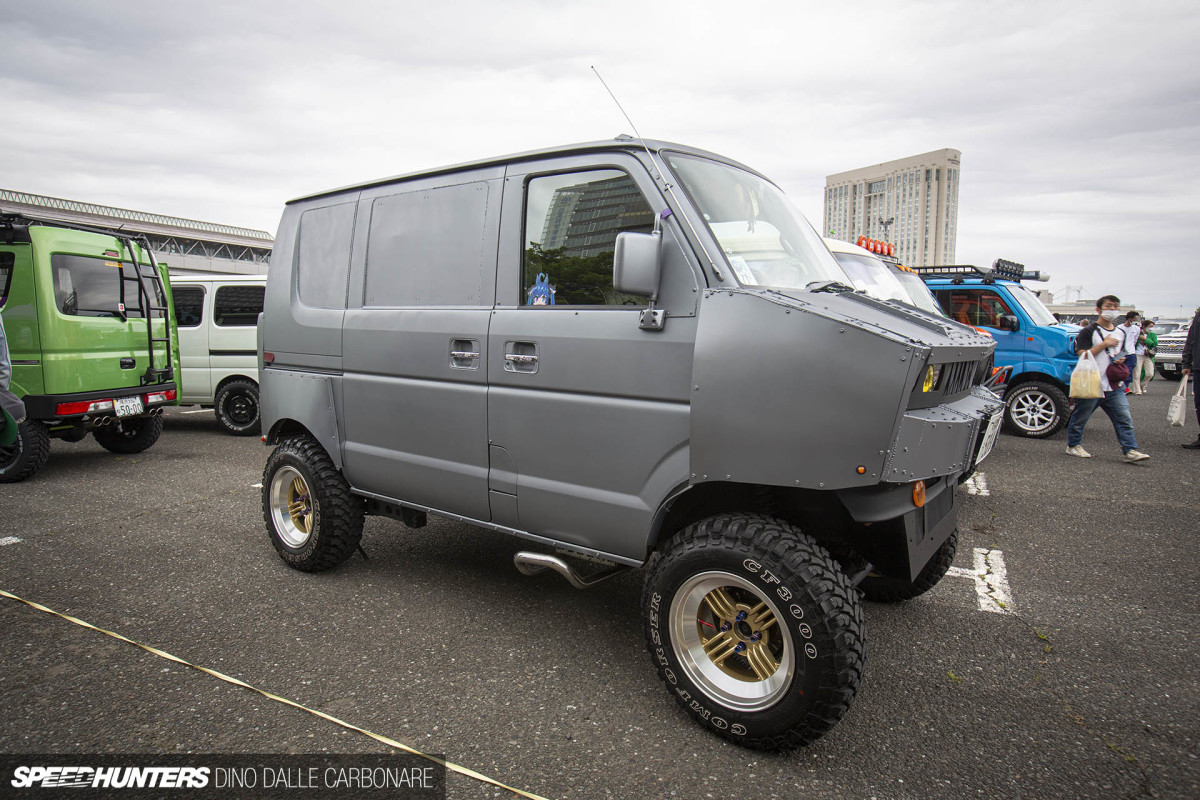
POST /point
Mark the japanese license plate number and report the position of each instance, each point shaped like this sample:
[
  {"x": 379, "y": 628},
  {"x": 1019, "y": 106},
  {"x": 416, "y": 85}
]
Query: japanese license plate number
[{"x": 127, "y": 406}]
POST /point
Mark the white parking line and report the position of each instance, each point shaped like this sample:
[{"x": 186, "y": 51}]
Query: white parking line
[
  {"x": 991, "y": 581},
  {"x": 201, "y": 411},
  {"x": 9, "y": 540},
  {"x": 977, "y": 484},
  {"x": 256, "y": 486}
]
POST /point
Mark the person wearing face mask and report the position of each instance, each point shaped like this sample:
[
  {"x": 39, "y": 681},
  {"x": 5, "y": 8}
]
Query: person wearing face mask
[{"x": 1106, "y": 344}]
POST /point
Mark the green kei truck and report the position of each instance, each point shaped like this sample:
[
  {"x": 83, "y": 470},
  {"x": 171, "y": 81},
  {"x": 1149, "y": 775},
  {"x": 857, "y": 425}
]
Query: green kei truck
[{"x": 91, "y": 338}]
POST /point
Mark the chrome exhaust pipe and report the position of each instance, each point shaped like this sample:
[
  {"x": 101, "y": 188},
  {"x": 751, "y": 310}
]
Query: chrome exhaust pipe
[
  {"x": 101, "y": 422},
  {"x": 528, "y": 563}
]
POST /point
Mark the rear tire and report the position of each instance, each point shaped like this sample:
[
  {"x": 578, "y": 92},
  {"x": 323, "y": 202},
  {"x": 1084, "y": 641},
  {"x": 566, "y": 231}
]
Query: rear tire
[
  {"x": 130, "y": 434},
  {"x": 236, "y": 407},
  {"x": 1036, "y": 409},
  {"x": 882, "y": 589},
  {"x": 759, "y": 582},
  {"x": 314, "y": 521},
  {"x": 27, "y": 454}
]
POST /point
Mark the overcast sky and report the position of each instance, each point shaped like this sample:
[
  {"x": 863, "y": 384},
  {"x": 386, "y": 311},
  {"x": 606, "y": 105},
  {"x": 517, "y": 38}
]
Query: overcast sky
[{"x": 1079, "y": 123}]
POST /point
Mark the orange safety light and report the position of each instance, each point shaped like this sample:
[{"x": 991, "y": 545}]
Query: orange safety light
[
  {"x": 861, "y": 470},
  {"x": 919, "y": 494}
]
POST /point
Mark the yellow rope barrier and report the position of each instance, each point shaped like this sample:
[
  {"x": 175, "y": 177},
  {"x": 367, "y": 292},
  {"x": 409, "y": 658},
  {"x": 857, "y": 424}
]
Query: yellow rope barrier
[{"x": 470, "y": 773}]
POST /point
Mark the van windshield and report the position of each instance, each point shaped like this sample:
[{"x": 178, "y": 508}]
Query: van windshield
[
  {"x": 1034, "y": 307},
  {"x": 766, "y": 240},
  {"x": 918, "y": 291},
  {"x": 872, "y": 276}
]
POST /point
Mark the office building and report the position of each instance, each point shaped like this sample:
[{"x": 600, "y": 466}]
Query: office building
[{"x": 911, "y": 202}]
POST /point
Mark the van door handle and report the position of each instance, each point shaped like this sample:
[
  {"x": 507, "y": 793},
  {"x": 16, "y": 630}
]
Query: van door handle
[
  {"x": 464, "y": 353},
  {"x": 521, "y": 357}
]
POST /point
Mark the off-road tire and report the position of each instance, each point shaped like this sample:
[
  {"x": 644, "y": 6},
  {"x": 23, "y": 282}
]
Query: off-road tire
[
  {"x": 129, "y": 434},
  {"x": 1036, "y": 410},
  {"x": 883, "y": 589},
  {"x": 327, "y": 529},
  {"x": 755, "y": 560},
  {"x": 27, "y": 454},
  {"x": 237, "y": 409}
]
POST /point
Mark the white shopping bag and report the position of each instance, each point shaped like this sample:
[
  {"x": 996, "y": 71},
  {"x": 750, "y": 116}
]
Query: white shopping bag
[
  {"x": 1085, "y": 378},
  {"x": 1177, "y": 410}
]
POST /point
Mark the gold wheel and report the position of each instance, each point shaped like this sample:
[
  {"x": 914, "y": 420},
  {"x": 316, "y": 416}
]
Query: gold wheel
[
  {"x": 730, "y": 641},
  {"x": 292, "y": 507}
]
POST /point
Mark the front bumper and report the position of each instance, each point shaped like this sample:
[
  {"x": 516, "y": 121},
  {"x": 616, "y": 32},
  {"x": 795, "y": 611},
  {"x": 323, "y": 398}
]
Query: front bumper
[{"x": 945, "y": 440}]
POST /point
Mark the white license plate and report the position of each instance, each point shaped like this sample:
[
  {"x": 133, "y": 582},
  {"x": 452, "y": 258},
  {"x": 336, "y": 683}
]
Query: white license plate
[
  {"x": 1168, "y": 367},
  {"x": 989, "y": 437},
  {"x": 127, "y": 406}
]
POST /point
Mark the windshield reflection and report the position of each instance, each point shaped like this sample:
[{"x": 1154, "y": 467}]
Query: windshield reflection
[{"x": 765, "y": 239}]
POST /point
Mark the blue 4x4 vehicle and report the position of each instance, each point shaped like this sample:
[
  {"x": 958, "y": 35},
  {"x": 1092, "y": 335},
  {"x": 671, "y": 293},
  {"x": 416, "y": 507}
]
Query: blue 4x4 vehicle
[{"x": 1040, "y": 350}]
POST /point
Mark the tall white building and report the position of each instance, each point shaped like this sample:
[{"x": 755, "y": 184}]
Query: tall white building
[{"x": 911, "y": 202}]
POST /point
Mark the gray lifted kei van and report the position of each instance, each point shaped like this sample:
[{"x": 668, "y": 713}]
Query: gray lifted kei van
[{"x": 620, "y": 352}]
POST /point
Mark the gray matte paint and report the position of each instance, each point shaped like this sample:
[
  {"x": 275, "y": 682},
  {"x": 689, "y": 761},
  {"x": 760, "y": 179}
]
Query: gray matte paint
[{"x": 583, "y": 437}]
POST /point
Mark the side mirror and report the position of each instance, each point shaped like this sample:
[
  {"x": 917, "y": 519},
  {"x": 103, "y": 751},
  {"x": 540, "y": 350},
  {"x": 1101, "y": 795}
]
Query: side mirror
[
  {"x": 1008, "y": 322},
  {"x": 637, "y": 264}
]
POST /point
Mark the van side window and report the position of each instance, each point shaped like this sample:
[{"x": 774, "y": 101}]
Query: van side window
[
  {"x": 571, "y": 226},
  {"x": 238, "y": 305},
  {"x": 6, "y": 270},
  {"x": 323, "y": 256},
  {"x": 189, "y": 305},
  {"x": 426, "y": 248}
]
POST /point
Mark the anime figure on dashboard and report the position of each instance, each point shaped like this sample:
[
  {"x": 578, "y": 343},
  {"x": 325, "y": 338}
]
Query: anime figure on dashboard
[{"x": 541, "y": 293}]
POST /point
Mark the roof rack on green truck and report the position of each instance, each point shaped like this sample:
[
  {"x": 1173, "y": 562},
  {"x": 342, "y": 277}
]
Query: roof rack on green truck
[{"x": 94, "y": 349}]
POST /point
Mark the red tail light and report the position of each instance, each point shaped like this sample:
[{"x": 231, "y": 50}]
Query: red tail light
[{"x": 82, "y": 407}]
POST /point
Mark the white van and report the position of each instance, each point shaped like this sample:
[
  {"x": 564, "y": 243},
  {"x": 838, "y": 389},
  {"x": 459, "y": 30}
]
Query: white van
[{"x": 218, "y": 331}]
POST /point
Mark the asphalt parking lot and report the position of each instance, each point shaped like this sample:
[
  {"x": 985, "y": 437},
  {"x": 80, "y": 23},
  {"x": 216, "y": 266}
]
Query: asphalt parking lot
[{"x": 1080, "y": 682}]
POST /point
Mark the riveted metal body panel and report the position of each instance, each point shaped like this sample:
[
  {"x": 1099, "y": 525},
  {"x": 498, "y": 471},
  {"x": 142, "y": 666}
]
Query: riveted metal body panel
[
  {"x": 939, "y": 441},
  {"x": 770, "y": 406},
  {"x": 308, "y": 398}
]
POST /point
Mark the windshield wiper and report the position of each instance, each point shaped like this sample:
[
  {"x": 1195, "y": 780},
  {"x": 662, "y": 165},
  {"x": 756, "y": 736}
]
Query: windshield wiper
[{"x": 833, "y": 287}]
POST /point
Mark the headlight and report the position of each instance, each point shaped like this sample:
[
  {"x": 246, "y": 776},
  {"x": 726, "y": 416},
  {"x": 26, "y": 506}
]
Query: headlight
[{"x": 932, "y": 373}]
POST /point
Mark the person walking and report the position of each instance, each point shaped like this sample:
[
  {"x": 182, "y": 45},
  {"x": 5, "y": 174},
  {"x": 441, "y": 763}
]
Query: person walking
[
  {"x": 1149, "y": 349},
  {"x": 12, "y": 409},
  {"x": 1130, "y": 331},
  {"x": 1189, "y": 364},
  {"x": 1104, "y": 341}
]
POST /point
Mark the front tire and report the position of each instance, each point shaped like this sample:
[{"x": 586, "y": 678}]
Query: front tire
[
  {"x": 754, "y": 630},
  {"x": 883, "y": 589},
  {"x": 236, "y": 407},
  {"x": 129, "y": 434},
  {"x": 27, "y": 454},
  {"x": 314, "y": 521},
  {"x": 1036, "y": 410}
]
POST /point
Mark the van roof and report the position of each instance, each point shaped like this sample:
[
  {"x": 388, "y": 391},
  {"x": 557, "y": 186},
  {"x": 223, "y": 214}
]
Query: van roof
[
  {"x": 185, "y": 277},
  {"x": 622, "y": 143}
]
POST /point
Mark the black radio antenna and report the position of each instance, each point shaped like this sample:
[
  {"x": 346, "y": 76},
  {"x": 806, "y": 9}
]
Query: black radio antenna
[{"x": 666, "y": 184}]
